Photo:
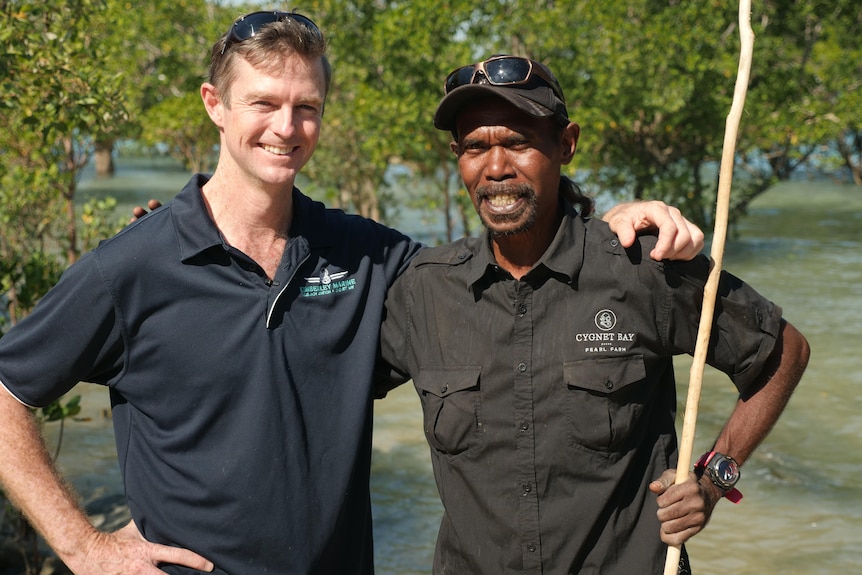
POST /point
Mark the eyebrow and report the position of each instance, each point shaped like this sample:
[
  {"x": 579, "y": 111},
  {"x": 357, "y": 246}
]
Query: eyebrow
[
  {"x": 254, "y": 96},
  {"x": 512, "y": 138}
]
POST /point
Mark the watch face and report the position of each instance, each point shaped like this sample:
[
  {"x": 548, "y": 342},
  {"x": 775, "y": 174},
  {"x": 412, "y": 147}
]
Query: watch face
[{"x": 727, "y": 471}]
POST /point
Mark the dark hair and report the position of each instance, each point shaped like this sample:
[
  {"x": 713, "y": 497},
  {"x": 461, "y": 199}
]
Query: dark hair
[
  {"x": 572, "y": 193},
  {"x": 267, "y": 49}
]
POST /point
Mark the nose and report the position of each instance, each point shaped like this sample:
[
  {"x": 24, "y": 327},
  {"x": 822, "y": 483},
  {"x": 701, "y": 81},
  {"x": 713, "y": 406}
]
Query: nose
[
  {"x": 283, "y": 122},
  {"x": 499, "y": 167}
]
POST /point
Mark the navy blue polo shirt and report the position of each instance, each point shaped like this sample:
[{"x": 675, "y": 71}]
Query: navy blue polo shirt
[{"x": 242, "y": 408}]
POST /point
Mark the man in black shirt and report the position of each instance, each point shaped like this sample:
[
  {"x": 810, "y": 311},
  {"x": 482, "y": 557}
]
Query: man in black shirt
[{"x": 542, "y": 355}]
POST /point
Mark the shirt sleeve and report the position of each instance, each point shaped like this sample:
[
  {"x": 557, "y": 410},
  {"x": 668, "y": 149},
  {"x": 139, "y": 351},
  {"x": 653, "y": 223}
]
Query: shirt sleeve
[
  {"x": 745, "y": 324},
  {"x": 72, "y": 335},
  {"x": 400, "y": 251},
  {"x": 392, "y": 367}
]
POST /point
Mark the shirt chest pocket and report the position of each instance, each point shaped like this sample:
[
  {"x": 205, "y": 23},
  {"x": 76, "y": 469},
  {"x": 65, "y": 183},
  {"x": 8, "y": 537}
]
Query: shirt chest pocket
[
  {"x": 605, "y": 401},
  {"x": 450, "y": 405}
]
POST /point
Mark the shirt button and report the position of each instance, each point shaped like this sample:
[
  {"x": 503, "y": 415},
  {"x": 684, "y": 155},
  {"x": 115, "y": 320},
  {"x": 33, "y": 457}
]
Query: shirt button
[
  {"x": 522, "y": 309},
  {"x": 532, "y": 547},
  {"x": 614, "y": 243},
  {"x": 527, "y": 488},
  {"x": 609, "y": 384},
  {"x": 525, "y": 426},
  {"x": 444, "y": 388},
  {"x": 522, "y": 367}
]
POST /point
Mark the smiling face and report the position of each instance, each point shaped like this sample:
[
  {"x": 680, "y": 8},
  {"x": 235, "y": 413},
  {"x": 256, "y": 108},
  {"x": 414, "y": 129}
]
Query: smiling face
[
  {"x": 510, "y": 163},
  {"x": 271, "y": 124}
]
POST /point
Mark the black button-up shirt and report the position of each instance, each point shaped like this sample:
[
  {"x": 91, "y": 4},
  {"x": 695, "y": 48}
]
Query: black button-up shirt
[{"x": 549, "y": 402}]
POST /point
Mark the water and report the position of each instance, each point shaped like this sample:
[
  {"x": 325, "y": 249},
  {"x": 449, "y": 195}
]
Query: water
[{"x": 802, "y": 514}]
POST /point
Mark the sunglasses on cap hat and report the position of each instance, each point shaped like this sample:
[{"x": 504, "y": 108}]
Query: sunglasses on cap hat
[
  {"x": 247, "y": 26},
  {"x": 502, "y": 71}
]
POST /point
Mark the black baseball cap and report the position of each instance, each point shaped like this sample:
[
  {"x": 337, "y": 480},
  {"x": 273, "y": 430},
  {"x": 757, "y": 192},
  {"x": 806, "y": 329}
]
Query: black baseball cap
[{"x": 526, "y": 84}]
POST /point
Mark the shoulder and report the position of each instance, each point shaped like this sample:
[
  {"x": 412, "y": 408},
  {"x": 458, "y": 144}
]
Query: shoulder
[
  {"x": 140, "y": 237},
  {"x": 453, "y": 254},
  {"x": 600, "y": 239},
  {"x": 354, "y": 239},
  {"x": 322, "y": 224},
  {"x": 603, "y": 246}
]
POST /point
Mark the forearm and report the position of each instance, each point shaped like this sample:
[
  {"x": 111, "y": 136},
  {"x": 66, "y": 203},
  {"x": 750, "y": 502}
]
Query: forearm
[
  {"x": 685, "y": 508},
  {"x": 31, "y": 482},
  {"x": 755, "y": 415}
]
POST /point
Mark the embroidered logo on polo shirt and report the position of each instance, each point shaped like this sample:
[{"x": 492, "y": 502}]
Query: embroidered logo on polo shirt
[
  {"x": 605, "y": 340},
  {"x": 327, "y": 283}
]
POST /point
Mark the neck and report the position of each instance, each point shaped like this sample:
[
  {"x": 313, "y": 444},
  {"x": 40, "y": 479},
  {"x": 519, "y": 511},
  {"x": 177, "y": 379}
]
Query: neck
[
  {"x": 255, "y": 221},
  {"x": 518, "y": 253},
  {"x": 238, "y": 206}
]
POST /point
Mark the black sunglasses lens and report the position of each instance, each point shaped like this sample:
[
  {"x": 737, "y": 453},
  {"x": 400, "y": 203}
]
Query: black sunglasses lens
[
  {"x": 460, "y": 77},
  {"x": 250, "y": 24},
  {"x": 507, "y": 71},
  {"x": 499, "y": 72}
]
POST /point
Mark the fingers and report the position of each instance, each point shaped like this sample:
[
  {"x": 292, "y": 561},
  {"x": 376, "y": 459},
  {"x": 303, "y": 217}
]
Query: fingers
[
  {"x": 661, "y": 484},
  {"x": 625, "y": 220},
  {"x": 678, "y": 537},
  {"x": 678, "y": 238},
  {"x": 127, "y": 551},
  {"x": 165, "y": 553},
  {"x": 139, "y": 212},
  {"x": 178, "y": 556},
  {"x": 684, "y": 508}
]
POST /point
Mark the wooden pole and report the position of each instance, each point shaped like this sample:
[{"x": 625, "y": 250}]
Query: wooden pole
[{"x": 725, "y": 178}]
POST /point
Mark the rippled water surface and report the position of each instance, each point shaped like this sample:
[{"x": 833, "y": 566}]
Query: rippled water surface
[{"x": 801, "y": 245}]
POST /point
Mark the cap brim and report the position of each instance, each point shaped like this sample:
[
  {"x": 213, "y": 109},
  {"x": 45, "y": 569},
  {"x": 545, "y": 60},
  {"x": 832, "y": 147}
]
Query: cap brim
[{"x": 457, "y": 99}]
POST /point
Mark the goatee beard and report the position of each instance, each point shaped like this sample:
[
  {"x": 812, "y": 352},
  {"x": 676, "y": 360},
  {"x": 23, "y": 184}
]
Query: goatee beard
[{"x": 524, "y": 191}]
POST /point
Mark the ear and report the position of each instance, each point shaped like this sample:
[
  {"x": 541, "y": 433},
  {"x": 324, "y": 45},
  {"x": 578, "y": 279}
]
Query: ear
[
  {"x": 570, "y": 141},
  {"x": 213, "y": 104},
  {"x": 454, "y": 147}
]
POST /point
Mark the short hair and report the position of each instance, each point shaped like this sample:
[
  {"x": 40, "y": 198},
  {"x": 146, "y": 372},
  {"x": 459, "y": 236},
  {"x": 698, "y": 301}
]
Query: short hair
[{"x": 267, "y": 49}]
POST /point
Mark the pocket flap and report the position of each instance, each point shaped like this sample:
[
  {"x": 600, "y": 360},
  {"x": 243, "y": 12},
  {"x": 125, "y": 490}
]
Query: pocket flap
[
  {"x": 444, "y": 381},
  {"x": 605, "y": 375}
]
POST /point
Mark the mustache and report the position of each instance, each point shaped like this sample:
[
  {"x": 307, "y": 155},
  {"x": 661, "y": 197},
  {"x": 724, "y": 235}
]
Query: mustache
[{"x": 522, "y": 189}]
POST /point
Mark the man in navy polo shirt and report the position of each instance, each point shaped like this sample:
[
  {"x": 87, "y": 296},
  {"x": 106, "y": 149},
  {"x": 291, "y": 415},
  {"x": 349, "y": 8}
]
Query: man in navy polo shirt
[{"x": 236, "y": 329}]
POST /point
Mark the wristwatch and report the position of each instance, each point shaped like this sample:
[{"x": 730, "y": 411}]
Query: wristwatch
[{"x": 723, "y": 471}]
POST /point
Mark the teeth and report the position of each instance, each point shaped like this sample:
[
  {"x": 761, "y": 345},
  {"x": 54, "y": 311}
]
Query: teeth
[
  {"x": 276, "y": 150},
  {"x": 502, "y": 201}
]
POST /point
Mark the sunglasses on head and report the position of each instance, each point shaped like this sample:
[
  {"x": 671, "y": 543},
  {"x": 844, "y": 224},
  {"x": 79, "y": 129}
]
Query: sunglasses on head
[
  {"x": 247, "y": 26},
  {"x": 502, "y": 71}
]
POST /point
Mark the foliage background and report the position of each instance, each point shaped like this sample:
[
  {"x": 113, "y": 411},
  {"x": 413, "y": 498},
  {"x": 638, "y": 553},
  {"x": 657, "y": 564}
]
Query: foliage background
[{"x": 649, "y": 81}]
